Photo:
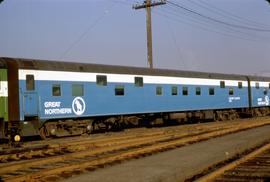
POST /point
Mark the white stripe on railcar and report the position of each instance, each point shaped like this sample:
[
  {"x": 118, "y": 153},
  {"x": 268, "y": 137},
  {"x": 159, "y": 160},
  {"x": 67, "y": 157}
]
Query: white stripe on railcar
[
  {"x": 3, "y": 89},
  {"x": 261, "y": 84},
  {"x": 122, "y": 78}
]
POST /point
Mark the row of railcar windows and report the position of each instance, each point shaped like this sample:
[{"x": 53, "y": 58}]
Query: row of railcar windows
[
  {"x": 138, "y": 81},
  {"x": 101, "y": 80},
  {"x": 240, "y": 84},
  {"x": 174, "y": 90},
  {"x": 78, "y": 90}
]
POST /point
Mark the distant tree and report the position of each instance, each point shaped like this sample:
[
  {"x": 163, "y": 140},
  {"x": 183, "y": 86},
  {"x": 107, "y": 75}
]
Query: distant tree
[
  {"x": 268, "y": 1},
  {"x": 1, "y": 1}
]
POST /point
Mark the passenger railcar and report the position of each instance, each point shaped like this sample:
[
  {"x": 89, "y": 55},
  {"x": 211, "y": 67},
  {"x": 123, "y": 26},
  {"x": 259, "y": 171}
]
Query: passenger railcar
[
  {"x": 259, "y": 95},
  {"x": 53, "y": 98}
]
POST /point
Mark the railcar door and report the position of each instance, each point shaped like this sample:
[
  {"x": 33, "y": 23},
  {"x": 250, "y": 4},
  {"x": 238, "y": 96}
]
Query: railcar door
[{"x": 30, "y": 97}]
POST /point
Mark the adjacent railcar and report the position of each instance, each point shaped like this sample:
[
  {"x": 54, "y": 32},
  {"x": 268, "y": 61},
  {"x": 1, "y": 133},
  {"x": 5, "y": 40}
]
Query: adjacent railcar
[
  {"x": 3, "y": 97},
  {"x": 259, "y": 98},
  {"x": 9, "y": 99},
  {"x": 53, "y": 98}
]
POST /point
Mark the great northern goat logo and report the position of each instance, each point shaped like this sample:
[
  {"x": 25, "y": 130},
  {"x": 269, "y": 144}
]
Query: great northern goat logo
[
  {"x": 78, "y": 106},
  {"x": 266, "y": 100}
]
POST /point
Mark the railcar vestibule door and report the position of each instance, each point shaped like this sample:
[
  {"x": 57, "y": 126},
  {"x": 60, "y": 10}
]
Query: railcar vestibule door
[{"x": 30, "y": 97}]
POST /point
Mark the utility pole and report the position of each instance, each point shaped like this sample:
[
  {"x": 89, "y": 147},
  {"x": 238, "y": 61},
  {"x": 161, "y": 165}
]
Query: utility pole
[{"x": 147, "y": 5}]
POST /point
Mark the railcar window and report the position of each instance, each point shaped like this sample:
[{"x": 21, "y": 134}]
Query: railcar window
[
  {"x": 30, "y": 82},
  {"x": 231, "y": 91},
  {"x": 240, "y": 85},
  {"x": 174, "y": 90},
  {"x": 211, "y": 91},
  {"x": 265, "y": 91},
  {"x": 101, "y": 80},
  {"x": 119, "y": 90},
  {"x": 198, "y": 90},
  {"x": 222, "y": 84},
  {"x": 185, "y": 91},
  {"x": 158, "y": 90},
  {"x": 56, "y": 90},
  {"x": 257, "y": 85},
  {"x": 138, "y": 81},
  {"x": 77, "y": 90},
  {"x": 269, "y": 85}
]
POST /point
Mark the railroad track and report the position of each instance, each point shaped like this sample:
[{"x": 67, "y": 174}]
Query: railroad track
[
  {"x": 55, "y": 161},
  {"x": 254, "y": 166},
  {"x": 82, "y": 144}
]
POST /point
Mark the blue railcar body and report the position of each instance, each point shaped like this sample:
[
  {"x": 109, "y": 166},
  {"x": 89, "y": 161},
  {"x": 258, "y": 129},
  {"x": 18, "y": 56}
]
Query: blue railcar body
[
  {"x": 101, "y": 100},
  {"x": 46, "y": 96},
  {"x": 260, "y": 96}
]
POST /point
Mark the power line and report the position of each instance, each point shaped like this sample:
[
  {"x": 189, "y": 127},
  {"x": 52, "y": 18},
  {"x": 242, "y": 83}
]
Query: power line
[
  {"x": 207, "y": 23},
  {"x": 178, "y": 50},
  {"x": 223, "y": 13},
  {"x": 86, "y": 31},
  {"x": 207, "y": 29},
  {"x": 218, "y": 21}
]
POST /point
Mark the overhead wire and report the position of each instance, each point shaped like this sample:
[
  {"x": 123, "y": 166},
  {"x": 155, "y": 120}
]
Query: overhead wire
[
  {"x": 203, "y": 27},
  {"x": 84, "y": 33},
  {"x": 232, "y": 30},
  {"x": 178, "y": 50},
  {"x": 217, "y": 20},
  {"x": 205, "y": 22},
  {"x": 228, "y": 14}
]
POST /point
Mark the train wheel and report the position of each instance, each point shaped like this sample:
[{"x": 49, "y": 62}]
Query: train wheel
[
  {"x": 90, "y": 128},
  {"x": 43, "y": 133}
]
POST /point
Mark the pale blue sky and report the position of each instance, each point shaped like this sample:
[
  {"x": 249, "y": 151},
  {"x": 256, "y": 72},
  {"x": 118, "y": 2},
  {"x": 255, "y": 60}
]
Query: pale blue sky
[{"x": 111, "y": 32}]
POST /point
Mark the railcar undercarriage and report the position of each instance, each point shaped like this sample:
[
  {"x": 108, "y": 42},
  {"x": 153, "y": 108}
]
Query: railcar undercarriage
[
  {"x": 71, "y": 127},
  {"x": 10, "y": 131}
]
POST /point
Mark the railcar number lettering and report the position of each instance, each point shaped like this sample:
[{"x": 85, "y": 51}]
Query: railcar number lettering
[
  {"x": 263, "y": 101},
  {"x": 231, "y": 99}
]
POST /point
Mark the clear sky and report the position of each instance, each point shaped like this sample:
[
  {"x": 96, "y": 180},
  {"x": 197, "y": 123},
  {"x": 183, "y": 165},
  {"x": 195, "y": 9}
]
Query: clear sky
[{"x": 227, "y": 36}]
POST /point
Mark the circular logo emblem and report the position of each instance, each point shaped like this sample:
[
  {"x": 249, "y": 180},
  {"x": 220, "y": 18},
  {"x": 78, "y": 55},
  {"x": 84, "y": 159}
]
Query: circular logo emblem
[
  {"x": 266, "y": 100},
  {"x": 78, "y": 106}
]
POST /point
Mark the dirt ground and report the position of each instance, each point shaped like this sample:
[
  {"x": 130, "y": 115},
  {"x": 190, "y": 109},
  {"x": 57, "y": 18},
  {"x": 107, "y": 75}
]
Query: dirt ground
[{"x": 181, "y": 163}]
